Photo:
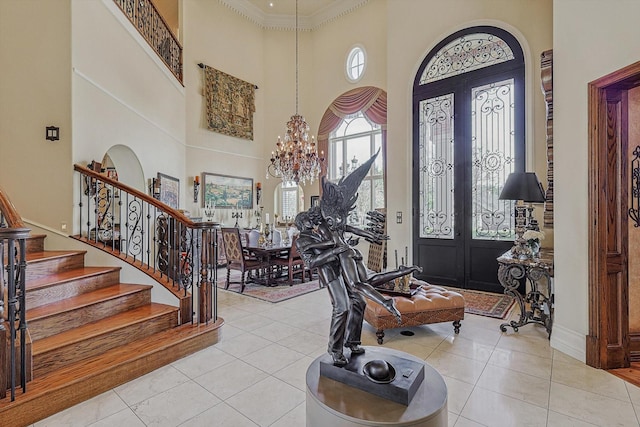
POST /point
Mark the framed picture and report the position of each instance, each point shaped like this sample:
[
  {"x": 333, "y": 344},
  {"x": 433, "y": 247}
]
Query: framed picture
[
  {"x": 315, "y": 201},
  {"x": 169, "y": 190},
  {"x": 223, "y": 191}
]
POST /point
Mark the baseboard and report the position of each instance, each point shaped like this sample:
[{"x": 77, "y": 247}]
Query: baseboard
[{"x": 569, "y": 342}]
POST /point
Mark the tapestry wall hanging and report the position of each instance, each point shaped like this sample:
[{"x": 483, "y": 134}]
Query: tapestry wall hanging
[{"x": 230, "y": 104}]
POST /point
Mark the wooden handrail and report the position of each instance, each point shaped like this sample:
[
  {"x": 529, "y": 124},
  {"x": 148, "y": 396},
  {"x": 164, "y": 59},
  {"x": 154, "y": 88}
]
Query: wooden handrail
[
  {"x": 176, "y": 214},
  {"x": 155, "y": 238},
  {"x": 14, "y": 220}
]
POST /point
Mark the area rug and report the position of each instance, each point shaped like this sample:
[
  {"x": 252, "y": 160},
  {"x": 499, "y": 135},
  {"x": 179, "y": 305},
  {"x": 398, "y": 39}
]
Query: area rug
[
  {"x": 486, "y": 304},
  {"x": 273, "y": 294}
]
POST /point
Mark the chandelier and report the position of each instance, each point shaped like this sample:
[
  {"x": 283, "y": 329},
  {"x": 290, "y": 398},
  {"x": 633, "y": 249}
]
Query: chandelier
[{"x": 296, "y": 159}]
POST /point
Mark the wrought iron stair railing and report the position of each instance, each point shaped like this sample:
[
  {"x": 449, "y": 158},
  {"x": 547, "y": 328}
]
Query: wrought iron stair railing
[
  {"x": 144, "y": 15},
  {"x": 160, "y": 241},
  {"x": 13, "y": 325}
]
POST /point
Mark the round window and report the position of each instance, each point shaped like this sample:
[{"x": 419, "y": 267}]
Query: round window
[{"x": 356, "y": 64}]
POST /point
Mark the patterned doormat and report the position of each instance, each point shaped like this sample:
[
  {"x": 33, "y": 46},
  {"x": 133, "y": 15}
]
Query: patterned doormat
[
  {"x": 282, "y": 292},
  {"x": 486, "y": 304}
]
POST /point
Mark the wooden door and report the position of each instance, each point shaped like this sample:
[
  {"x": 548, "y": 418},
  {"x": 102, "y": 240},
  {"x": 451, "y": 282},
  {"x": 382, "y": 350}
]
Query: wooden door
[{"x": 608, "y": 339}]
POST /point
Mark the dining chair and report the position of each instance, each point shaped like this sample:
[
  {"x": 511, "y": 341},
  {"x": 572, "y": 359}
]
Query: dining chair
[
  {"x": 294, "y": 263},
  {"x": 237, "y": 257}
]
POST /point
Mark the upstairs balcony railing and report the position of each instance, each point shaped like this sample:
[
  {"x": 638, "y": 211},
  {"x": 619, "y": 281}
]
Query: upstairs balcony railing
[
  {"x": 152, "y": 26},
  {"x": 158, "y": 240},
  {"x": 13, "y": 323}
]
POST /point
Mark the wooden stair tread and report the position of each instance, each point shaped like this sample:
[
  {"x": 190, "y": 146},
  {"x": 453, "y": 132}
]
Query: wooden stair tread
[
  {"x": 77, "y": 382},
  {"x": 101, "y": 327},
  {"x": 83, "y": 300},
  {"x": 152, "y": 343},
  {"x": 46, "y": 255},
  {"x": 66, "y": 276}
]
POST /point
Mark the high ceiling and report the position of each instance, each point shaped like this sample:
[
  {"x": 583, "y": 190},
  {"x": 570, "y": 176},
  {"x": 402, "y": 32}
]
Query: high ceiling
[
  {"x": 280, "y": 14},
  {"x": 306, "y": 8}
]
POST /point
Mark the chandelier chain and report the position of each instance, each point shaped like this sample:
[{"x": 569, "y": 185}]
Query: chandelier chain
[{"x": 296, "y": 158}]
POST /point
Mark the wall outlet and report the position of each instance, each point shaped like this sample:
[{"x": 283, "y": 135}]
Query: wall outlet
[
  {"x": 398, "y": 217},
  {"x": 63, "y": 226}
]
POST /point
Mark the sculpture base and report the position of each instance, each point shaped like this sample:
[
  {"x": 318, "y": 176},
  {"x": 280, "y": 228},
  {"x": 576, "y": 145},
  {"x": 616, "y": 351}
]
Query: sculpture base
[
  {"x": 406, "y": 375},
  {"x": 335, "y": 404}
]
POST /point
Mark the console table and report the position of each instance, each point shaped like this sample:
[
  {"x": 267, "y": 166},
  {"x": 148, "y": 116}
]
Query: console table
[{"x": 536, "y": 305}]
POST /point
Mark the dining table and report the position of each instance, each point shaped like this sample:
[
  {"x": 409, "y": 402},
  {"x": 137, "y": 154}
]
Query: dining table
[{"x": 268, "y": 253}]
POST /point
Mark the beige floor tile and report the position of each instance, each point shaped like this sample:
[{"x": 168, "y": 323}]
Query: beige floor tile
[
  {"x": 515, "y": 384},
  {"x": 559, "y": 420},
  {"x": 86, "y": 413},
  {"x": 497, "y": 410},
  {"x": 229, "y": 331},
  {"x": 465, "y": 422},
  {"x": 634, "y": 393},
  {"x": 414, "y": 347},
  {"x": 275, "y": 331},
  {"x": 457, "y": 394},
  {"x": 479, "y": 334},
  {"x": 591, "y": 407},
  {"x": 295, "y": 417},
  {"x": 304, "y": 342},
  {"x": 451, "y": 419},
  {"x": 251, "y": 322},
  {"x": 267, "y": 401},
  {"x": 242, "y": 345},
  {"x": 221, "y": 415},
  {"x": 295, "y": 373},
  {"x": 149, "y": 385},
  {"x": 467, "y": 348},
  {"x": 589, "y": 379},
  {"x": 279, "y": 312},
  {"x": 175, "y": 406},
  {"x": 202, "y": 361},
  {"x": 522, "y": 362},
  {"x": 126, "y": 417},
  {"x": 272, "y": 358},
  {"x": 533, "y": 345},
  {"x": 231, "y": 379},
  {"x": 454, "y": 366}
]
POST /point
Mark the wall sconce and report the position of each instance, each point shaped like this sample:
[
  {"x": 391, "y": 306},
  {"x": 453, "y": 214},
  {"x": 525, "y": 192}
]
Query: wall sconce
[
  {"x": 196, "y": 188},
  {"x": 154, "y": 188},
  {"x": 53, "y": 133},
  {"x": 258, "y": 193}
]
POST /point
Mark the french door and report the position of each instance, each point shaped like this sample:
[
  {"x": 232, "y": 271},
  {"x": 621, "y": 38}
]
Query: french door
[{"x": 468, "y": 136}]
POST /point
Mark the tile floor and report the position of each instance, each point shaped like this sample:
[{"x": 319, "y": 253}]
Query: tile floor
[{"x": 255, "y": 376}]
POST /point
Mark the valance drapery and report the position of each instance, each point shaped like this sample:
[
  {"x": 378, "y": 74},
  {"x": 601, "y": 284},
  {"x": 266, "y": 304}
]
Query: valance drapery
[{"x": 372, "y": 101}]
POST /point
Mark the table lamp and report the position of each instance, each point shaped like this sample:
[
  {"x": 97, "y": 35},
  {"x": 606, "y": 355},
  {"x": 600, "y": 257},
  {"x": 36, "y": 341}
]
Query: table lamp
[{"x": 523, "y": 187}]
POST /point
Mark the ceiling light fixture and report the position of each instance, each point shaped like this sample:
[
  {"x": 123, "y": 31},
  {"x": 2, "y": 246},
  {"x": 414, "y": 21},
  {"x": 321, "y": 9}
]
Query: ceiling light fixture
[{"x": 296, "y": 158}]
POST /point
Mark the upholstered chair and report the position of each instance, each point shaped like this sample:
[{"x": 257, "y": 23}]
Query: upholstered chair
[
  {"x": 237, "y": 259},
  {"x": 294, "y": 263}
]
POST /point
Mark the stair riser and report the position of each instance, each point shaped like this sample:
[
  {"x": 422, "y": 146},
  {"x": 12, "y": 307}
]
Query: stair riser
[
  {"x": 55, "y": 324},
  {"x": 38, "y": 297},
  {"x": 71, "y": 391},
  {"x": 63, "y": 356},
  {"x": 44, "y": 267}
]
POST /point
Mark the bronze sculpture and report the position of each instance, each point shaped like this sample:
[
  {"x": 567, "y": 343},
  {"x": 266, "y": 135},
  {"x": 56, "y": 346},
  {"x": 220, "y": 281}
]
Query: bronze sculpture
[{"x": 323, "y": 245}]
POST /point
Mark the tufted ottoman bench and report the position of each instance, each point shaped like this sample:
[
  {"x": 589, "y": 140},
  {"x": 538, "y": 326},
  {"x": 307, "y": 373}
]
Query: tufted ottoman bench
[{"x": 430, "y": 304}]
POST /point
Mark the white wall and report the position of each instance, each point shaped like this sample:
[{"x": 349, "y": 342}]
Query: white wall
[
  {"x": 591, "y": 39},
  {"x": 123, "y": 94},
  {"x": 35, "y": 92},
  {"x": 216, "y": 36}
]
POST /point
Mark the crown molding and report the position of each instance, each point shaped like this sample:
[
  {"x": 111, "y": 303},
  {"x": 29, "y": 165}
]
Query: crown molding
[{"x": 288, "y": 22}]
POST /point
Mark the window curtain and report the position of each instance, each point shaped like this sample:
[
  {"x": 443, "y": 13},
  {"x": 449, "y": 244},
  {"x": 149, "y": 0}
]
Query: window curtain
[{"x": 372, "y": 101}]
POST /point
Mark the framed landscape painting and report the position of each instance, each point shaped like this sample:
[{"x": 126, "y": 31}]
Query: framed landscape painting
[
  {"x": 169, "y": 190},
  {"x": 224, "y": 191}
]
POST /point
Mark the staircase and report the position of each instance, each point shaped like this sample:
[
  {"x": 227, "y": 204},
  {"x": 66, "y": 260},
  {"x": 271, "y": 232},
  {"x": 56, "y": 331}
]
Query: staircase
[{"x": 90, "y": 333}]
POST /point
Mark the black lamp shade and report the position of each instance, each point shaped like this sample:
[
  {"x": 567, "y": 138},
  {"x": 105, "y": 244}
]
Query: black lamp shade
[{"x": 522, "y": 186}]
